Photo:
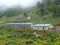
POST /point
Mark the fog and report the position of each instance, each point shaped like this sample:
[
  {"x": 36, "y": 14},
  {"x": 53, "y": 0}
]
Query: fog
[{"x": 22, "y": 3}]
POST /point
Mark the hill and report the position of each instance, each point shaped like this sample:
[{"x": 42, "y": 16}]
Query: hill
[{"x": 41, "y": 13}]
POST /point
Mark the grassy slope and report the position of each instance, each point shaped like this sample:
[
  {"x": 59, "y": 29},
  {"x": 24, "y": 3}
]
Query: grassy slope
[
  {"x": 34, "y": 19},
  {"x": 13, "y": 37}
]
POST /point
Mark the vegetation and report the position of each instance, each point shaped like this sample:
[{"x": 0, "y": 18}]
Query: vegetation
[
  {"x": 47, "y": 11},
  {"x": 28, "y": 37}
]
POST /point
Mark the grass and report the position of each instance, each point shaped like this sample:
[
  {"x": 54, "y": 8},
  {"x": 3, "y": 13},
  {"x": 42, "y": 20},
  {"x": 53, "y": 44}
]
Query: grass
[
  {"x": 2, "y": 23},
  {"x": 34, "y": 19},
  {"x": 19, "y": 37}
]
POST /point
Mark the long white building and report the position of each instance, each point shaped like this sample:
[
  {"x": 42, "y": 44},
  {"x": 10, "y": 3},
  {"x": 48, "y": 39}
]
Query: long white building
[
  {"x": 21, "y": 26},
  {"x": 29, "y": 26}
]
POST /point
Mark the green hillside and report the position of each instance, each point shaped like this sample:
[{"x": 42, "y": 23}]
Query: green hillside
[
  {"x": 45, "y": 12},
  {"x": 28, "y": 37},
  {"x": 35, "y": 18}
]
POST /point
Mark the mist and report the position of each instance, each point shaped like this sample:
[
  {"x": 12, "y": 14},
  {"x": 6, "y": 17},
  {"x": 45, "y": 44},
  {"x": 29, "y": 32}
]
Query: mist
[{"x": 21, "y": 3}]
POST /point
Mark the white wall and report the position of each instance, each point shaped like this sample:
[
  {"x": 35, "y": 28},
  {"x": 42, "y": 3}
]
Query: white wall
[
  {"x": 41, "y": 28},
  {"x": 38, "y": 28}
]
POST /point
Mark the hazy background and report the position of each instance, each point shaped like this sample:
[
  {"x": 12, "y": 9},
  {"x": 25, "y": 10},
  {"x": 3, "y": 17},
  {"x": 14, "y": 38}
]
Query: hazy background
[
  {"x": 22, "y": 3},
  {"x": 40, "y": 11}
]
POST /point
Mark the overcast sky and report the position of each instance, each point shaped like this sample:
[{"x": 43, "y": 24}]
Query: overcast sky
[{"x": 23, "y": 3}]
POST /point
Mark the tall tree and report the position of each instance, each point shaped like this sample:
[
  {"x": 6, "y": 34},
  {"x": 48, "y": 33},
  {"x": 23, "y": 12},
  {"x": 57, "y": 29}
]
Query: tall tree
[{"x": 25, "y": 14}]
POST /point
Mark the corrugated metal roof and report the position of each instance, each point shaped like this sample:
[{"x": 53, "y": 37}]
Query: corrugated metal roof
[
  {"x": 17, "y": 23},
  {"x": 42, "y": 24}
]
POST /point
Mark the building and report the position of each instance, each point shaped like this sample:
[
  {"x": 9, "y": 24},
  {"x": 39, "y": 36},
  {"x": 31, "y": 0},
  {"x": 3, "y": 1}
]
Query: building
[
  {"x": 23, "y": 18},
  {"x": 30, "y": 26},
  {"x": 57, "y": 27},
  {"x": 21, "y": 26},
  {"x": 43, "y": 26}
]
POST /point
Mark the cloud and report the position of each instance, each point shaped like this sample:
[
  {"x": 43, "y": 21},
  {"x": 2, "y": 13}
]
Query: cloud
[{"x": 23, "y": 3}]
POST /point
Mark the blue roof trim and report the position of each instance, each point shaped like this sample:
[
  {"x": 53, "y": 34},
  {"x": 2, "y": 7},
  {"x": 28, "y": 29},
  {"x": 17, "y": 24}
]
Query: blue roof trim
[{"x": 42, "y": 24}]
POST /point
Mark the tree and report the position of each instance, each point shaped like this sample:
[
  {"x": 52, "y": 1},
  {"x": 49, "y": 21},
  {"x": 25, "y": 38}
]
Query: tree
[
  {"x": 56, "y": 2},
  {"x": 13, "y": 11},
  {"x": 41, "y": 8},
  {"x": 25, "y": 14}
]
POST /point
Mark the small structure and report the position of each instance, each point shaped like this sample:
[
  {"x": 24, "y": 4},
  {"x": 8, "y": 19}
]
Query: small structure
[
  {"x": 24, "y": 18},
  {"x": 21, "y": 26},
  {"x": 57, "y": 27},
  {"x": 43, "y": 26}
]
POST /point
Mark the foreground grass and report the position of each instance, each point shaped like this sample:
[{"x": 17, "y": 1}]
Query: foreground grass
[{"x": 28, "y": 37}]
